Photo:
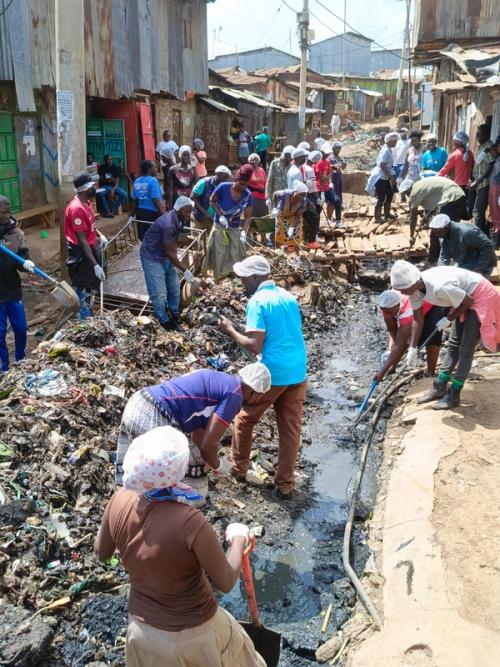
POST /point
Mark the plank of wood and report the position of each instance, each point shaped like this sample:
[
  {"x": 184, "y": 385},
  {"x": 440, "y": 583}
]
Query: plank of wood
[
  {"x": 341, "y": 246},
  {"x": 381, "y": 244},
  {"x": 354, "y": 244},
  {"x": 398, "y": 242},
  {"x": 369, "y": 247},
  {"x": 37, "y": 210}
]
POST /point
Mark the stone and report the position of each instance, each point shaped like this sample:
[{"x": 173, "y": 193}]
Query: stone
[
  {"x": 329, "y": 649},
  {"x": 23, "y": 640}
]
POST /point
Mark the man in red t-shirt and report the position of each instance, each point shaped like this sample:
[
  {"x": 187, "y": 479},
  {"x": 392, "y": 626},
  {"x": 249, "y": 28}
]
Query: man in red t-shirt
[
  {"x": 323, "y": 172},
  {"x": 83, "y": 243}
]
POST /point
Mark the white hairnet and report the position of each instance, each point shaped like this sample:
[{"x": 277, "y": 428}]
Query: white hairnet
[
  {"x": 182, "y": 201},
  {"x": 254, "y": 156},
  {"x": 256, "y": 376},
  {"x": 391, "y": 135},
  {"x": 439, "y": 221},
  {"x": 389, "y": 298},
  {"x": 314, "y": 156},
  {"x": 300, "y": 152},
  {"x": 298, "y": 186},
  {"x": 305, "y": 144},
  {"x": 185, "y": 149},
  {"x": 222, "y": 169},
  {"x": 326, "y": 148},
  {"x": 157, "y": 459},
  {"x": 404, "y": 274},
  {"x": 288, "y": 150}
]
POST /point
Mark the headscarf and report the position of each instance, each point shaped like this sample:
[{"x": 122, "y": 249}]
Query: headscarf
[
  {"x": 244, "y": 173},
  {"x": 404, "y": 274},
  {"x": 463, "y": 139},
  {"x": 389, "y": 298},
  {"x": 391, "y": 135},
  {"x": 155, "y": 464}
]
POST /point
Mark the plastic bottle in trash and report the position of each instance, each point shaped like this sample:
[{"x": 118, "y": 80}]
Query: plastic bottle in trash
[{"x": 58, "y": 335}]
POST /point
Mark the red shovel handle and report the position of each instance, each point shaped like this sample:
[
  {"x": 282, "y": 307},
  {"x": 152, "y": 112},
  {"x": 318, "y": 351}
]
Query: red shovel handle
[{"x": 248, "y": 579}]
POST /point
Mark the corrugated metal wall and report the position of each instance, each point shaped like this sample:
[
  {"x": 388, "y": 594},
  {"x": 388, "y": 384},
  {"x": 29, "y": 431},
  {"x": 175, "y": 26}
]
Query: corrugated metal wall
[
  {"x": 259, "y": 59},
  {"x": 456, "y": 20},
  {"x": 326, "y": 56}
]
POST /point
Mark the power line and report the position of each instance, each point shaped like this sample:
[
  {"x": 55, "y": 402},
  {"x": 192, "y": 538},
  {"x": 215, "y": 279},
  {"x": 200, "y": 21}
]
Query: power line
[{"x": 4, "y": 9}]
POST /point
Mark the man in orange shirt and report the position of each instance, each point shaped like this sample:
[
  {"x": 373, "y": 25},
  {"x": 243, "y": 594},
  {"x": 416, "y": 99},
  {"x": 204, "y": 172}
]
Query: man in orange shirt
[{"x": 82, "y": 243}]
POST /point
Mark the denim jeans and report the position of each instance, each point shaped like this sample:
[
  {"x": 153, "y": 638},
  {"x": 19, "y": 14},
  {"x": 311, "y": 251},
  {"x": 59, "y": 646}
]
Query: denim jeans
[
  {"x": 102, "y": 198},
  {"x": 163, "y": 286},
  {"x": 14, "y": 312},
  {"x": 85, "y": 303},
  {"x": 464, "y": 337}
]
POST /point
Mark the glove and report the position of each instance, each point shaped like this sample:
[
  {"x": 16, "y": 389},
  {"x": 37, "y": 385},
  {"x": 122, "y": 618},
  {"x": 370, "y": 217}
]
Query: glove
[
  {"x": 384, "y": 356},
  {"x": 443, "y": 323},
  {"x": 131, "y": 219},
  {"x": 223, "y": 221},
  {"x": 322, "y": 197},
  {"x": 411, "y": 355},
  {"x": 274, "y": 212},
  {"x": 188, "y": 276},
  {"x": 224, "y": 467},
  {"x": 290, "y": 232},
  {"x": 99, "y": 272},
  {"x": 243, "y": 236},
  {"x": 236, "y": 529},
  {"x": 29, "y": 266},
  {"x": 269, "y": 203},
  {"x": 103, "y": 241}
]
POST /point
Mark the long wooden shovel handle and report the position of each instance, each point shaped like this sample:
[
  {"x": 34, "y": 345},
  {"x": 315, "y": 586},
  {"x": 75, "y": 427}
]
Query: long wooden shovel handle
[{"x": 248, "y": 579}]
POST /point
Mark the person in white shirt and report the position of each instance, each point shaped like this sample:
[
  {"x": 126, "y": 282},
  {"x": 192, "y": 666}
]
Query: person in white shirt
[
  {"x": 165, "y": 154},
  {"x": 401, "y": 151},
  {"x": 335, "y": 124},
  {"x": 299, "y": 156},
  {"x": 382, "y": 180},
  {"x": 319, "y": 141},
  {"x": 474, "y": 315}
]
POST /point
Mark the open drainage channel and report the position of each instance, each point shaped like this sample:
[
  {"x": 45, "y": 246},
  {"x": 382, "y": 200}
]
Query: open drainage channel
[{"x": 298, "y": 564}]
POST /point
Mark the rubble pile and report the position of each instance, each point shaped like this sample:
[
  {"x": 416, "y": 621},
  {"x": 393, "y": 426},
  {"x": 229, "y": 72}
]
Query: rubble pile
[{"x": 60, "y": 410}]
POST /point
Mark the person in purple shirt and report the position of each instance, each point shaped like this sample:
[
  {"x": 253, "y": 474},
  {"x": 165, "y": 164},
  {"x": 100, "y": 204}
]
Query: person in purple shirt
[
  {"x": 159, "y": 262},
  {"x": 201, "y": 404}
]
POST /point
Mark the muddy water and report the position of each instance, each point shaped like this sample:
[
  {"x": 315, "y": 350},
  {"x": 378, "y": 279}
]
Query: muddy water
[{"x": 297, "y": 569}]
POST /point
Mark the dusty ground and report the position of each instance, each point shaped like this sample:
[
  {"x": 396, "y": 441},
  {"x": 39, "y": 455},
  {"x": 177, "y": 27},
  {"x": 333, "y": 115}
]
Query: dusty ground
[{"x": 435, "y": 535}]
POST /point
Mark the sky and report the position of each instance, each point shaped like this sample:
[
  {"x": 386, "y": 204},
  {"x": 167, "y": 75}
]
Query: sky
[{"x": 250, "y": 24}]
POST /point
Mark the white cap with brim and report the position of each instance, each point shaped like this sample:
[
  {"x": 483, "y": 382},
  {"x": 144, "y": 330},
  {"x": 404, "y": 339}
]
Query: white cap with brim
[
  {"x": 222, "y": 169},
  {"x": 254, "y": 265},
  {"x": 288, "y": 150},
  {"x": 182, "y": 202},
  {"x": 439, "y": 221},
  {"x": 404, "y": 274},
  {"x": 299, "y": 152},
  {"x": 389, "y": 298},
  {"x": 256, "y": 376}
]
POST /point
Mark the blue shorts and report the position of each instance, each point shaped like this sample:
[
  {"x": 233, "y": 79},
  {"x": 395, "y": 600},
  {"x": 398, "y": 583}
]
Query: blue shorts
[{"x": 330, "y": 196}]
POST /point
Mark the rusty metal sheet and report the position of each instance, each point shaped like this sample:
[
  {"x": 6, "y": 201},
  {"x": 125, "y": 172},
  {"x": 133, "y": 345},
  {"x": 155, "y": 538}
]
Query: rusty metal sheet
[
  {"x": 42, "y": 42},
  {"x": 99, "y": 57},
  {"x": 19, "y": 27},
  {"x": 29, "y": 160},
  {"x": 460, "y": 20}
]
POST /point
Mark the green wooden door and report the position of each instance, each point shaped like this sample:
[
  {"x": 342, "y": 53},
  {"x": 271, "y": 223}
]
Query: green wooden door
[{"x": 9, "y": 175}]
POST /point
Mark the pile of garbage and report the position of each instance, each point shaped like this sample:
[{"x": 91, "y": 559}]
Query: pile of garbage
[{"x": 60, "y": 410}]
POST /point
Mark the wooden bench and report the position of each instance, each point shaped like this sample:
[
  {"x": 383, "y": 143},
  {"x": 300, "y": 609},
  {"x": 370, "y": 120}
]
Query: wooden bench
[{"x": 47, "y": 212}]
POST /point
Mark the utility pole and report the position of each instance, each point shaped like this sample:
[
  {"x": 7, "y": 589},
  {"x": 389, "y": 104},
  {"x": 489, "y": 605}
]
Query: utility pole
[
  {"x": 303, "y": 26},
  {"x": 70, "y": 102},
  {"x": 343, "y": 45},
  {"x": 408, "y": 41}
]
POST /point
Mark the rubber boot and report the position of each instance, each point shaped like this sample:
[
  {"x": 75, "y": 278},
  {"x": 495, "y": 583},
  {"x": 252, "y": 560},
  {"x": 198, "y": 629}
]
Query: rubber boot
[
  {"x": 387, "y": 212},
  {"x": 450, "y": 400},
  {"x": 438, "y": 391},
  {"x": 378, "y": 213}
]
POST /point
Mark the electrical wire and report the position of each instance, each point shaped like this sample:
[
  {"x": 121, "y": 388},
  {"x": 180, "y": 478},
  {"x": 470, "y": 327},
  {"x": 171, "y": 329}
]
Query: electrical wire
[{"x": 4, "y": 9}]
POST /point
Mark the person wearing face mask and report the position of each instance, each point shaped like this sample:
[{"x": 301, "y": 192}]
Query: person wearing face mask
[
  {"x": 274, "y": 331},
  {"x": 11, "y": 294}
]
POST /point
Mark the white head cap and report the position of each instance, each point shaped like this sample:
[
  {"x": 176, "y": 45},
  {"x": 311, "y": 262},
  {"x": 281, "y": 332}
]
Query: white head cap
[
  {"x": 337, "y": 144},
  {"x": 222, "y": 169},
  {"x": 439, "y": 221},
  {"x": 156, "y": 460},
  {"x": 298, "y": 186},
  {"x": 185, "y": 149},
  {"x": 256, "y": 376},
  {"x": 389, "y": 298},
  {"x": 300, "y": 152},
  {"x": 391, "y": 135},
  {"x": 405, "y": 185},
  {"x": 314, "y": 156},
  {"x": 254, "y": 156},
  {"x": 182, "y": 201},
  {"x": 326, "y": 148},
  {"x": 404, "y": 274},
  {"x": 431, "y": 135},
  {"x": 288, "y": 150},
  {"x": 305, "y": 144},
  {"x": 254, "y": 265}
]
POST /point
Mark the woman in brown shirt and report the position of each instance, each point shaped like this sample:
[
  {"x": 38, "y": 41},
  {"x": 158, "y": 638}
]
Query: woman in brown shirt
[{"x": 171, "y": 552}]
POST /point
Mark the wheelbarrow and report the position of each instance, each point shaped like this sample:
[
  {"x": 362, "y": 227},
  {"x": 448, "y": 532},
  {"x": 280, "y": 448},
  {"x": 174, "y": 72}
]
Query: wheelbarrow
[{"x": 266, "y": 642}]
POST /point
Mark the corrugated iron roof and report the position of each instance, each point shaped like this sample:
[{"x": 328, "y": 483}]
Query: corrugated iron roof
[
  {"x": 239, "y": 77},
  {"x": 477, "y": 65},
  {"x": 248, "y": 97},
  {"x": 216, "y": 105},
  {"x": 455, "y": 86}
]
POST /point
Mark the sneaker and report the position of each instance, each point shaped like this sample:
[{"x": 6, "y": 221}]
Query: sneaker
[
  {"x": 339, "y": 225},
  {"x": 250, "y": 478}
]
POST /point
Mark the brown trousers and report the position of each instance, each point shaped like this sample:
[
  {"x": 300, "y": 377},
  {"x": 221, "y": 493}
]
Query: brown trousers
[{"x": 288, "y": 403}]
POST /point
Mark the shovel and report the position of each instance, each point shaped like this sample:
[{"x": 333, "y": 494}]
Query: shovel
[
  {"x": 266, "y": 642},
  {"x": 62, "y": 292},
  {"x": 362, "y": 406}
]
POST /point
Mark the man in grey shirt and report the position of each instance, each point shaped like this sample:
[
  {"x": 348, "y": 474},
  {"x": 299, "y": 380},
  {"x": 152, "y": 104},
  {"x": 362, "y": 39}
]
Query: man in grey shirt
[{"x": 464, "y": 243}]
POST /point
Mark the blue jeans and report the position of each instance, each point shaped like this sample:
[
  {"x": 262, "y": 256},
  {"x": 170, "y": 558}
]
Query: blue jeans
[
  {"x": 163, "y": 286},
  {"x": 14, "y": 312},
  {"x": 102, "y": 198},
  {"x": 84, "y": 296}
]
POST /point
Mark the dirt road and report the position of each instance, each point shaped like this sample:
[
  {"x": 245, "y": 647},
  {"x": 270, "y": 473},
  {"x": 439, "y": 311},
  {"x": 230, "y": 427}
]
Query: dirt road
[{"x": 435, "y": 534}]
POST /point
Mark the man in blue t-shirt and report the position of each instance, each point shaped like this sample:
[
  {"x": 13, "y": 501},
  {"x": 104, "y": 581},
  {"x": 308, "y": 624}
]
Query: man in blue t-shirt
[
  {"x": 203, "y": 210},
  {"x": 202, "y": 404},
  {"x": 434, "y": 157},
  {"x": 146, "y": 205},
  {"x": 273, "y": 331}
]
